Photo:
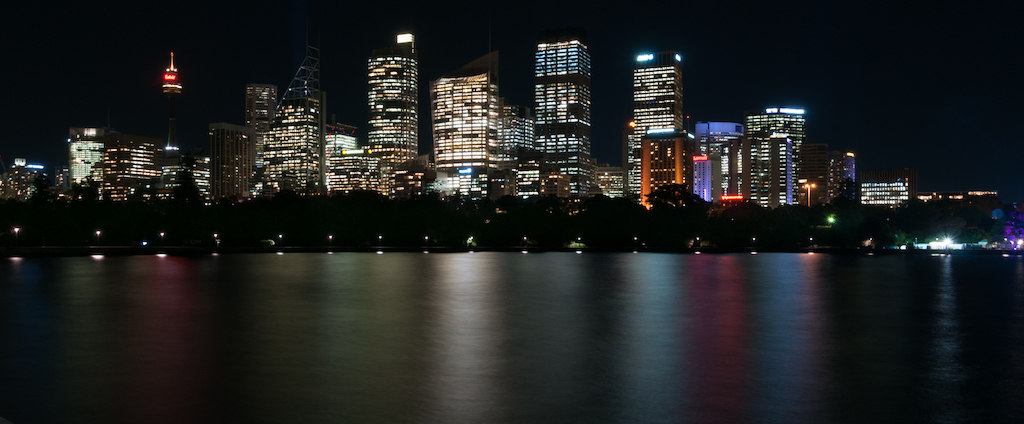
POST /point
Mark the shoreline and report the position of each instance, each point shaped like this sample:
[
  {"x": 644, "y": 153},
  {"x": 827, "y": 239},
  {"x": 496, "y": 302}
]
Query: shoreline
[{"x": 188, "y": 251}]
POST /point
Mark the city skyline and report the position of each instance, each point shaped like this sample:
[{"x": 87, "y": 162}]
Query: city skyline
[{"x": 892, "y": 87}]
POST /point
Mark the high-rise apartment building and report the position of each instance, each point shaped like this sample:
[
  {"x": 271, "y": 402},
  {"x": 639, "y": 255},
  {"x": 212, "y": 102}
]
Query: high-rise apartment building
[
  {"x": 293, "y": 155},
  {"x": 232, "y": 159},
  {"x": 563, "y": 100},
  {"x": 260, "y": 104},
  {"x": 889, "y": 187},
  {"x": 466, "y": 119},
  {"x": 657, "y": 103},
  {"x": 392, "y": 94},
  {"x": 130, "y": 166},
  {"x": 85, "y": 156}
]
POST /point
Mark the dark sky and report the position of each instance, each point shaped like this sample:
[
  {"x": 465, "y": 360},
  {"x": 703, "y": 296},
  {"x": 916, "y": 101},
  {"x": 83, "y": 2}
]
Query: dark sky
[{"x": 933, "y": 86}]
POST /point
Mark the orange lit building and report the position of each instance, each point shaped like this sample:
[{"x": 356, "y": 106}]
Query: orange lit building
[{"x": 666, "y": 158}]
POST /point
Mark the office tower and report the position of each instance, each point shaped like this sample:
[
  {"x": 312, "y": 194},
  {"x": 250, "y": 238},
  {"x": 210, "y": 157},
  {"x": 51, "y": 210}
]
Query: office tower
[
  {"x": 516, "y": 130},
  {"x": 392, "y": 94},
  {"x": 562, "y": 105},
  {"x": 85, "y": 156},
  {"x": 351, "y": 170},
  {"x": 813, "y": 183},
  {"x": 842, "y": 175},
  {"x": 414, "y": 178},
  {"x": 172, "y": 88},
  {"x": 735, "y": 159},
  {"x": 232, "y": 159},
  {"x": 889, "y": 187},
  {"x": 771, "y": 170},
  {"x": 611, "y": 180},
  {"x": 293, "y": 154},
  {"x": 340, "y": 137},
  {"x": 782, "y": 122},
  {"x": 130, "y": 167},
  {"x": 465, "y": 116},
  {"x": 657, "y": 103},
  {"x": 713, "y": 140},
  {"x": 260, "y": 104},
  {"x": 666, "y": 157}
]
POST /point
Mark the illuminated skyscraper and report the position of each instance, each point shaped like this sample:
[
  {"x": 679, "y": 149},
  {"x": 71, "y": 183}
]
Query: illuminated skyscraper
[
  {"x": 782, "y": 122},
  {"x": 657, "y": 104},
  {"x": 771, "y": 170},
  {"x": 130, "y": 166},
  {"x": 392, "y": 130},
  {"x": 715, "y": 139},
  {"x": 85, "y": 156},
  {"x": 232, "y": 158},
  {"x": 293, "y": 155},
  {"x": 172, "y": 88},
  {"x": 517, "y": 130},
  {"x": 562, "y": 98},
  {"x": 465, "y": 113},
  {"x": 815, "y": 175},
  {"x": 666, "y": 157},
  {"x": 260, "y": 103}
]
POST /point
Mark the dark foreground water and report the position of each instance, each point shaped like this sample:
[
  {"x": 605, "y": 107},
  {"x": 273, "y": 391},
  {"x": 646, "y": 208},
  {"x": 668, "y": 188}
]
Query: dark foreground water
[{"x": 512, "y": 338}]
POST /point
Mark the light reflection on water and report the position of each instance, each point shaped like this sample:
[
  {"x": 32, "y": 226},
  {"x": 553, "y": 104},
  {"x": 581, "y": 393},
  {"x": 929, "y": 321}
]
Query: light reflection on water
[{"x": 506, "y": 337}]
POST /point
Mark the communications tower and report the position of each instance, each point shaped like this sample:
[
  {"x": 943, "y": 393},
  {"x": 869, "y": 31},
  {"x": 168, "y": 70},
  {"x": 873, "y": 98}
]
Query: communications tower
[{"x": 171, "y": 88}]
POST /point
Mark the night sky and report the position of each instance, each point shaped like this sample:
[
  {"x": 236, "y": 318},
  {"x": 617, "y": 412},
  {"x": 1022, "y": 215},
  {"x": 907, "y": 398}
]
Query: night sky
[{"x": 935, "y": 86}]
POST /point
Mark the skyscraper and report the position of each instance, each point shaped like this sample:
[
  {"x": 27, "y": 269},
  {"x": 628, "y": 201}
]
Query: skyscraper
[
  {"x": 293, "y": 155},
  {"x": 715, "y": 140},
  {"x": 130, "y": 166},
  {"x": 771, "y": 170},
  {"x": 172, "y": 88},
  {"x": 517, "y": 130},
  {"x": 85, "y": 156},
  {"x": 260, "y": 104},
  {"x": 842, "y": 175},
  {"x": 784, "y": 122},
  {"x": 815, "y": 174},
  {"x": 232, "y": 158},
  {"x": 465, "y": 117},
  {"x": 562, "y": 98},
  {"x": 657, "y": 104},
  {"x": 392, "y": 95},
  {"x": 666, "y": 157}
]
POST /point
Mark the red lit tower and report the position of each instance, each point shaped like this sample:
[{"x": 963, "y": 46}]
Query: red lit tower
[{"x": 171, "y": 88}]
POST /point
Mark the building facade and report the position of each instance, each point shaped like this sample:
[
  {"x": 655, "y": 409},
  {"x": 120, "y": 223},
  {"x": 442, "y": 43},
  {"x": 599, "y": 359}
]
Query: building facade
[
  {"x": 562, "y": 99},
  {"x": 130, "y": 166},
  {"x": 842, "y": 175},
  {"x": 293, "y": 155},
  {"x": 657, "y": 103},
  {"x": 260, "y": 104},
  {"x": 466, "y": 118},
  {"x": 666, "y": 157},
  {"x": 85, "y": 156},
  {"x": 779, "y": 122},
  {"x": 393, "y": 101},
  {"x": 813, "y": 185},
  {"x": 713, "y": 139},
  {"x": 232, "y": 160},
  {"x": 888, "y": 187}
]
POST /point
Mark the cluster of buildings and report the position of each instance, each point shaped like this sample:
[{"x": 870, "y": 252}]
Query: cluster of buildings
[{"x": 483, "y": 146}]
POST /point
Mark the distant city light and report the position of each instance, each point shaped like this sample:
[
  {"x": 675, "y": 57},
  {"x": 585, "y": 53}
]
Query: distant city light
[{"x": 660, "y": 130}]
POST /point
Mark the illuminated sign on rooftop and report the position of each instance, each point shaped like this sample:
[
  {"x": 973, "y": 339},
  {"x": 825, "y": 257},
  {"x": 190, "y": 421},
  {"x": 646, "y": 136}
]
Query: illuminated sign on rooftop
[
  {"x": 784, "y": 110},
  {"x": 466, "y": 171},
  {"x": 170, "y": 77},
  {"x": 660, "y": 130},
  {"x": 404, "y": 38},
  {"x": 700, "y": 158},
  {"x": 32, "y": 166},
  {"x": 644, "y": 57},
  {"x": 679, "y": 58}
]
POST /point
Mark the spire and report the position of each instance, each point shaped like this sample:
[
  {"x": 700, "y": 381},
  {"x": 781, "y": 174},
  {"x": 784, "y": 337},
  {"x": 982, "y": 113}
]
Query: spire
[
  {"x": 172, "y": 68},
  {"x": 307, "y": 78}
]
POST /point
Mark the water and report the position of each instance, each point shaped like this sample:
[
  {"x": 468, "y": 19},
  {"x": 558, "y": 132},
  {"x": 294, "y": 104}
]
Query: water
[{"x": 512, "y": 338}]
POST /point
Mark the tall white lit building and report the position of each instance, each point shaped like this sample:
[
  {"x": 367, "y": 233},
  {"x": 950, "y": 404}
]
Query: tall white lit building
[
  {"x": 517, "y": 130},
  {"x": 657, "y": 104},
  {"x": 392, "y": 96},
  {"x": 85, "y": 156},
  {"x": 562, "y": 104},
  {"x": 779, "y": 122},
  {"x": 466, "y": 119}
]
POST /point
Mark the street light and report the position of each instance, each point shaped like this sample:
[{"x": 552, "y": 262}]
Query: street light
[
  {"x": 97, "y": 237},
  {"x": 216, "y": 240},
  {"x": 809, "y": 187},
  {"x": 16, "y": 231},
  {"x": 330, "y": 240},
  {"x": 161, "y": 238}
]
